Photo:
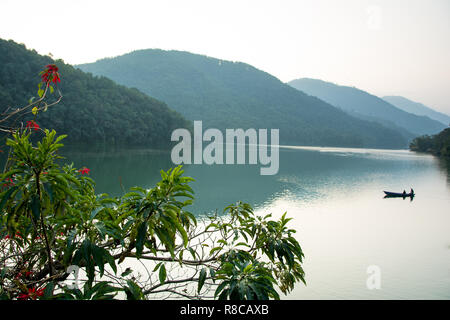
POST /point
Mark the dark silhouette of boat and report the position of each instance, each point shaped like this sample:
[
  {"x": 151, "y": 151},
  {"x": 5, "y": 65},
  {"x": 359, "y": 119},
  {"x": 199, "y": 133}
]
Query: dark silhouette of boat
[{"x": 399, "y": 194}]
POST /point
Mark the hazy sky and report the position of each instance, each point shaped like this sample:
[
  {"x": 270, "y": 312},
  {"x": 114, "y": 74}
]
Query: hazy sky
[{"x": 383, "y": 47}]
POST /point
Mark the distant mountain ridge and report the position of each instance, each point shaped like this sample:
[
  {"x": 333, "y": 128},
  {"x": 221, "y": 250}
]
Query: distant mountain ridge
[
  {"x": 367, "y": 106},
  {"x": 225, "y": 94},
  {"x": 417, "y": 108},
  {"x": 92, "y": 109}
]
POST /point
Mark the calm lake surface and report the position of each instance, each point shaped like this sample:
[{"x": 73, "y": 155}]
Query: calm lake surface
[{"x": 335, "y": 196}]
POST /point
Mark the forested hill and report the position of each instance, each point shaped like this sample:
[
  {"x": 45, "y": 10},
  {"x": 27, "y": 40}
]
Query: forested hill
[
  {"x": 438, "y": 144},
  {"x": 367, "y": 106},
  {"x": 226, "y": 94},
  {"x": 93, "y": 109}
]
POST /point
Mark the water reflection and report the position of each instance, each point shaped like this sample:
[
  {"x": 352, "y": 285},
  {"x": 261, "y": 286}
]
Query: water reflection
[
  {"x": 115, "y": 170},
  {"x": 306, "y": 174},
  {"x": 411, "y": 197},
  {"x": 444, "y": 165}
]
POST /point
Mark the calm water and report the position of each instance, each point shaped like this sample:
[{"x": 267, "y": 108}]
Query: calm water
[{"x": 335, "y": 196}]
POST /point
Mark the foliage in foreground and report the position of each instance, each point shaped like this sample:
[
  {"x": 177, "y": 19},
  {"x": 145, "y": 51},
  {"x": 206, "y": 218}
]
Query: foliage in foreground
[{"x": 142, "y": 245}]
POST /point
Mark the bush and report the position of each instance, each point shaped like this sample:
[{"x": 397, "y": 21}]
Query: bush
[{"x": 142, "y": 245}]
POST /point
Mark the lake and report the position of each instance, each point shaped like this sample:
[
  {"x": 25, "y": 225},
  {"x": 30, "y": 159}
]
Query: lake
[{"x": 335, "y": 196}]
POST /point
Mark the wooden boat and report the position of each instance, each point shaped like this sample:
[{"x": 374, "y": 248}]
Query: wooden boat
[{"x": 396, "y": 194}]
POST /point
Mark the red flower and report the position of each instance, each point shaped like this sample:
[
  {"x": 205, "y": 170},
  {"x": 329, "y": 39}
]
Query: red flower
[
  {"x": 9, "y": 237},
  {"x": 32, "y": 293},
  {"x": 32, "y": 124},
  {"x": 84, "y": 170},
  {"x": 9, "y": 183},
  {"x": 23, "y": 296},
  {"x": 51, "y": 74}
]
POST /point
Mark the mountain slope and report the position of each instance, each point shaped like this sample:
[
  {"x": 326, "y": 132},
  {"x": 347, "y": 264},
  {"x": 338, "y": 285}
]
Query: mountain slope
[
  {"x": 92, "y": 109},
  {"x": 417, "y": 108},
  {"x": 367, "y": 106},
  {"x": 226, "y": 94}
]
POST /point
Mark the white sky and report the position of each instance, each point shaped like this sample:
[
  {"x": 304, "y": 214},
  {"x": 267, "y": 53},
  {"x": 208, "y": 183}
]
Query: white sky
[{"x": 396, "y": 47}]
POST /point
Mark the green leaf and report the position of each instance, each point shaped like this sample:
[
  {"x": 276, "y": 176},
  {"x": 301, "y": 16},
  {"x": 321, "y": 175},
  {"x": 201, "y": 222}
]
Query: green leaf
[
  {"x": 36, "y": 207},
  {"x": 101, "y": 289},
  {"x": 48, "y": 292},
  {"x": 157, "y": 267},
  {"x": 86, "y": 251},
  {"x": 5, "y": 198},
  {"x": 201, "y": 279},
  {"x": 133, "y": 291},
  {"x": 100, "y": 226},
  {"x": 248, "y": 268},
  {"x": 221, "y": 287},
  {"x": 140, "y": 239},
  {"x": 257, "y": 291},
  {"x": 110, "y": 260},
  {"x": 71, "y": 236},
  {"x": 48, "y": 188},
  {"x": 193, "y": 253},
  {"x": 182, "y": 232},
  {"x": 126, "y": 272},
  {"x": 224, "y": 294},
  {"x": 162, "y": 274},
  {"x": 97, "y": 254},
  {"x": 243, "y": 244},
  {"x": 213, "y": 250},
  {"x": 94, "y": 213},
  {"x": 212, "y": 273}
]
